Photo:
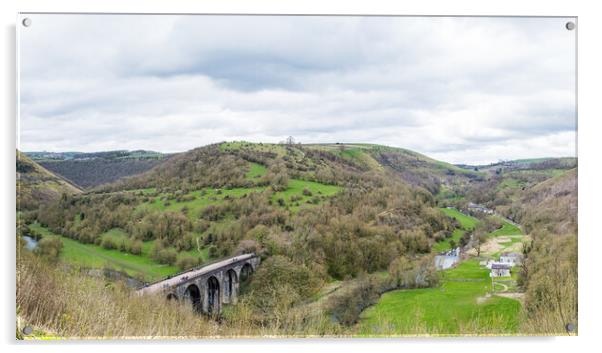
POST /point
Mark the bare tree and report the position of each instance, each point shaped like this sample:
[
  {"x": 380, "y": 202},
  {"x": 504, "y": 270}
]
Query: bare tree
[{"x": 479, "y": 239}]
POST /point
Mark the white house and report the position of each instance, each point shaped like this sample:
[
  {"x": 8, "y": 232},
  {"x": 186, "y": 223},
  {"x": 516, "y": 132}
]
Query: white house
[
  {"x": 479, "y": 208},
  {"x": 511, "y": 259},
  {"x": 500, "y": 270}
]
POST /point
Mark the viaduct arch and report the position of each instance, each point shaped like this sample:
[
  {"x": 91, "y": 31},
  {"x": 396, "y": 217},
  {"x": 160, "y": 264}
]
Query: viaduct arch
[{"x": 209, "y": 287}]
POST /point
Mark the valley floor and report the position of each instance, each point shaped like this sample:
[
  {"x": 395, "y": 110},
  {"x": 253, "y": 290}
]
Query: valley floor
[
  {"x": 468, "y": 300},
  {"x": 462, "y": 304}
]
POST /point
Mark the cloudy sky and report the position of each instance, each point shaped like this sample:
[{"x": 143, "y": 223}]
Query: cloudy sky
[{"x": 463, "y": 90}]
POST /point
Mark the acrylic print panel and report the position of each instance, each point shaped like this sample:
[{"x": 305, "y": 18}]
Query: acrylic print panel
[{"x": 290, "y": 176}]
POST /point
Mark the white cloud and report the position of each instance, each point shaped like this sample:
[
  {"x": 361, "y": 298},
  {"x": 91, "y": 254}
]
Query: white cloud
[{"x": 470, "y": 90}]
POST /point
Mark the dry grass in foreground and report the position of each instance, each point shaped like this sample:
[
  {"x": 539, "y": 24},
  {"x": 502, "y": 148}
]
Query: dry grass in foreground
[{"x": 73, "y": 305}]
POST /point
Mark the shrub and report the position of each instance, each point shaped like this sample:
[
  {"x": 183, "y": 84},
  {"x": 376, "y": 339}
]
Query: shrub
[
  {"x": 417, "y": 274},
  {"x": 136, "y": 248},
  {"x": 167, "y": 256},
  {"x": 108, "y": 243},
  {"x": 186, "y": 261},
  {"x": 163, "y": 255},
  {"x": 125, "y": 245},
  {"x": 213, "y": 251},
  {"x": 549, "y": 275},
  {"x": 49, "y": 247},
  {"x": 279, "y": 283},
  {"x": 279, "y": 182},
  {"x": 347, "y": 306},
  {"x": 258, "y": 233},
  {"x": 156, "y": 249},
  {"x": 247, "y": 246}
]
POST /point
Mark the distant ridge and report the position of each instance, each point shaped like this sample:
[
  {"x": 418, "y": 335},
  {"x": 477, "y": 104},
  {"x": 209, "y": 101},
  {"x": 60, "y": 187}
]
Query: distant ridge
[
  {"x": 36, "y": 185},
  {"x": 90, "y": 169}
]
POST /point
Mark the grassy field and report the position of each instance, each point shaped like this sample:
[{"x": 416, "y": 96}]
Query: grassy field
[
  {"x": 295, "y": 190},
  {"x": 448, "y": 194},
  {"x": 466, "y": 222},
  {"x": 459, "y": 305},
  {"x": 256, "y": 171},
  {"x": 202, "y": 199},
  {"x": 94, "y": 256},
  {"x": 208, "y": 196},
  {"x": 510, "y": 183},
  {"x": 357, "y": 154},
  {"x": 506, "y": 229},
  {"x": 279, "y": 149}
]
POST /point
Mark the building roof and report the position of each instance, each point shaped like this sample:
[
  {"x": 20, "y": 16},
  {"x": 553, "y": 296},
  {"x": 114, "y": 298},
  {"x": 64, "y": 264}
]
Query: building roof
[{"x": 497, "y": 266}]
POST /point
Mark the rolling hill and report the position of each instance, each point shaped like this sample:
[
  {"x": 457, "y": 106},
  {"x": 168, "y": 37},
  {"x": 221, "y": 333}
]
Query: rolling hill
[
  {"x": 348, "y": 216},
  {"x": 551, "y": 205},
  {"x": 227, "y": 198},
  {"x": 88, "y": 170},
  {"x": 506, "y": 183}
]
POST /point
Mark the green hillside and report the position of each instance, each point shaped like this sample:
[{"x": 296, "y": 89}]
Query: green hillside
[
  {"x": 232, "y": 197},
  {"x": 336, "y": 226},
  {"x": 36, "y": 185}
]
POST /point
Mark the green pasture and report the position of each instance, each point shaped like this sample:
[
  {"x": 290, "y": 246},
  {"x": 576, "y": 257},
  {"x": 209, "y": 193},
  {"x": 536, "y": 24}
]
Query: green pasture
[
  {"x": 201, "y": 199},
  {"x": 459, "y": 305},
  {"x": 506, "y": 229},
  {"x": 466, "y": 222},
  {"x": 295, "y": 190},
  {"x": 95, "y": 256},
  {"x": 256, "y": 171}
]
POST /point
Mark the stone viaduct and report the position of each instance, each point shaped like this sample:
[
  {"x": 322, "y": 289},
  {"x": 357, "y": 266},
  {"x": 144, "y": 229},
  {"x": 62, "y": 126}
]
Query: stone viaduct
[{"x": 209, "y": 287}]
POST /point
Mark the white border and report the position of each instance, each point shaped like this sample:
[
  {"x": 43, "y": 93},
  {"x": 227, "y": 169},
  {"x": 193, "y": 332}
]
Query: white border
[{"x": 590, "y": 25}]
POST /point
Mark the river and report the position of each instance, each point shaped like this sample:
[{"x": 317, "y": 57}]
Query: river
[
  {"x": 30, "y": 243},
  {"x": 447, "y": 260}
]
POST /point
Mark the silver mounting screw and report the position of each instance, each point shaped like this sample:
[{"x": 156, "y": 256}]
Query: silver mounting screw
[{"x": 570, "y": 25}]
